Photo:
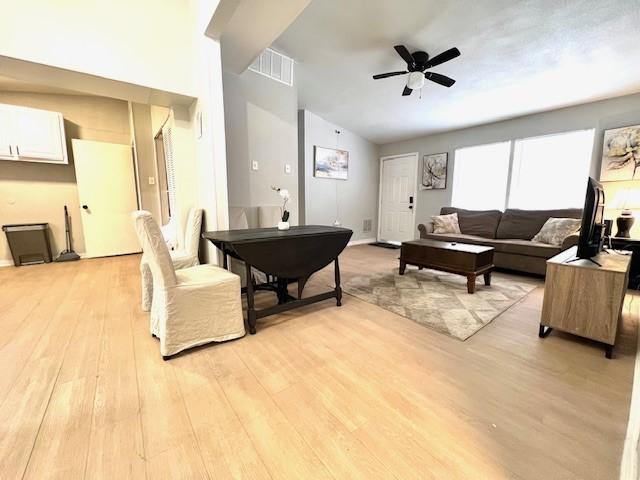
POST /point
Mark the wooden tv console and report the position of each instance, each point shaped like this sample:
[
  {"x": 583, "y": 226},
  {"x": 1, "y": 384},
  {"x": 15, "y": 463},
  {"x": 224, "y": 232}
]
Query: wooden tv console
[{"x": 583, "y": 298}]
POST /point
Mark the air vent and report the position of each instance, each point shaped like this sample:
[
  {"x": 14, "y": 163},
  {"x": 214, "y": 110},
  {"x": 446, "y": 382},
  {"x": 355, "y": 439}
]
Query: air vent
[
  {"x": 274, "y": 65},
  {"x": 367, "y": 225}
]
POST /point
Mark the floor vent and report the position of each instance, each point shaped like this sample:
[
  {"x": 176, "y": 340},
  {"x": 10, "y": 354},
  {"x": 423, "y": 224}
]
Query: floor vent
[{"x": 274, "y": 65}]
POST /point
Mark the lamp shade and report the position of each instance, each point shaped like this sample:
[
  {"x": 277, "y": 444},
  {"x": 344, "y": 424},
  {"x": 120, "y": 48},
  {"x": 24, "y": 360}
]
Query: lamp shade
[
  {"x": 626, "y": 199},
  {"x": 415, "y": 80}
]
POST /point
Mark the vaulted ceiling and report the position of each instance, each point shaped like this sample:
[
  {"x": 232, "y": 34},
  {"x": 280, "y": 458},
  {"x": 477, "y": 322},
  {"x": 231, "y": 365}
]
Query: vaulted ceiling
[{"x": 518, "y": 57}]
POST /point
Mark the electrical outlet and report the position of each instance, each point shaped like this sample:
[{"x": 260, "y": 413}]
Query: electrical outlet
[
  {"x": 254, "y": 165},
  {"x": 152, "y": 181},
  {"x": 287, "y": 169}
]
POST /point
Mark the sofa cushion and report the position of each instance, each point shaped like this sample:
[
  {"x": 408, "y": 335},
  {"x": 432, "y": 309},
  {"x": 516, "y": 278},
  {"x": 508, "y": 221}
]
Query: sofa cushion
[
  {"x": 482, "y": 223},
  {"x": 524, "y": 224},
  {"x": 515, "y": 247},
  {"x": 526, "y": 247}
]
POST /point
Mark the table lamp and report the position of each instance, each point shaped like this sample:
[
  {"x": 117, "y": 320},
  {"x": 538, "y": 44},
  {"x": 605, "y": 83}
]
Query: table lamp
[{"x": 626, "y": 199}]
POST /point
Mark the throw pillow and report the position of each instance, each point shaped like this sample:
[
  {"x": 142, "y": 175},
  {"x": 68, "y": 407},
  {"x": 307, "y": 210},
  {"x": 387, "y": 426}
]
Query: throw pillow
[
  {"x": 555, "y": 230},
  {"x": 446, "y": 223}
]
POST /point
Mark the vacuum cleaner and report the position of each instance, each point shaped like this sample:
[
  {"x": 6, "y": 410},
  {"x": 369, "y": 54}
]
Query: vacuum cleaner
[{"x": 67, "y": 255}]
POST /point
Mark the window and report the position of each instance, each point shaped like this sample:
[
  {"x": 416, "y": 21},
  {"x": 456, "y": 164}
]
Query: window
[
  {"x": 480, "y": 176},
  {"x": 550, "y": 172},
  {"x": 545, "y": 173}
]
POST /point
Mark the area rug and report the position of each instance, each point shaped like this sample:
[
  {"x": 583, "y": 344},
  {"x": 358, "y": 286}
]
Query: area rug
[{"x": 439, "y": 300}]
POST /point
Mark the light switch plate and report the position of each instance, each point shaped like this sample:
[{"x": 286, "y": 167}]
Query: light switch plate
[
  {"x": 287, "y": 168},
  {"x": 152, "y": 181},
  {"x": 254, "y": 165}
]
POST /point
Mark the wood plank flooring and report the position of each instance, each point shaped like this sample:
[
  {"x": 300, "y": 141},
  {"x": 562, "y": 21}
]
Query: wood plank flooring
[{"x": 321, "y": 392}]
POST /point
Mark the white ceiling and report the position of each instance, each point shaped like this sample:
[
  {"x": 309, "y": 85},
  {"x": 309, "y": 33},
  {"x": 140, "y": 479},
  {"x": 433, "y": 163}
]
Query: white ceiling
[{"x": 518, "y": 57}]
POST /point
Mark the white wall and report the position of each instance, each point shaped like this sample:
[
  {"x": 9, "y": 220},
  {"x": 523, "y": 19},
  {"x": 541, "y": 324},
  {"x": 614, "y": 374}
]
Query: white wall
[
  {"x": 261, "y": 125},
  {"x": 36, "y": 192},
  {"x": 143, "y": 42},
  {"x": 602, "y": 115},
  {"x": 349, "y": 201}
]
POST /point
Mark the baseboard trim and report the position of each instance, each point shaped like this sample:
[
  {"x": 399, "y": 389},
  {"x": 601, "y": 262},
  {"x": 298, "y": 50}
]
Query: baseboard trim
[
  {"x": 629, "y": 462},
  {"x": 361, "y": 242}
]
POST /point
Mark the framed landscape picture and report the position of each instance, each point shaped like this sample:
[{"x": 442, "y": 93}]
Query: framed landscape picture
[
  {"x": 330, "y": 163},
  {"x": 621, "y": 154},
  {"x": 434, "y": 171}
]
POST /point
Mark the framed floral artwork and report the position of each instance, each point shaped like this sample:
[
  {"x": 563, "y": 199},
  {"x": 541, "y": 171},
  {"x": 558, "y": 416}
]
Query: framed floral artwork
[
  {"x": 434, "y": 171},
  {"x": 621, "y": 154}
]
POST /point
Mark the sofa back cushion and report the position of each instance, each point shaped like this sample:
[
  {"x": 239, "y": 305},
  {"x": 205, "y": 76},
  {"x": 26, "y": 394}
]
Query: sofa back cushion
[
  {"x": 482, "y": 223},
  {"x": 525, "y": 224}
]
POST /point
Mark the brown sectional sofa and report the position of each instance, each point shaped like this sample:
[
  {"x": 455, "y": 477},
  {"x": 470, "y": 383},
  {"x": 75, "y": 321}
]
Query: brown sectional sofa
[{"x": 509, "y": 232}]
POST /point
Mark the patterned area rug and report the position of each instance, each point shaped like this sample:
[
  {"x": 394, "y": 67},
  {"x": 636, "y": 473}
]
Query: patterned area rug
[{"x": 439, "y": 300}]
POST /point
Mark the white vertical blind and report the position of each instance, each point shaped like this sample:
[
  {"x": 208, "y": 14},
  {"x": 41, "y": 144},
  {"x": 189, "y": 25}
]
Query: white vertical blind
[
  {"x": 167, "y": 138},
  {"x": 480, "y": 176},
  {"x": 551, "y": 171}
]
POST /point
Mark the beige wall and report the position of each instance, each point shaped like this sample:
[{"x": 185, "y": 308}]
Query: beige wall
[{"x": 33, "y": 192}]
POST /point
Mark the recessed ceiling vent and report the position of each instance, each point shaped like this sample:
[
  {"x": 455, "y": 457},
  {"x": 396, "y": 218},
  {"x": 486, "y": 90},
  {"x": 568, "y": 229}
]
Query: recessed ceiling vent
[{"x": 274, "y": 65}]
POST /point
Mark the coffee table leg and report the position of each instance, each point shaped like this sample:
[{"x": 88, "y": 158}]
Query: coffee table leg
[
  {"x": 471, "y": 283},
  {"x": 487, "y": 279},
  {"x": 403, "y": 266}
]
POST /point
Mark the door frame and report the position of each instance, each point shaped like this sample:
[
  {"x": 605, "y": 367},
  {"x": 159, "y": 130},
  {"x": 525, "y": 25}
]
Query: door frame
[{"x": 416, "y": 156}]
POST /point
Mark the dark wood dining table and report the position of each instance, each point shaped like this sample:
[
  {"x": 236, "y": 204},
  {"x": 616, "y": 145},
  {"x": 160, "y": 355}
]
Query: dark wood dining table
[{"x": 285, "y": 257}]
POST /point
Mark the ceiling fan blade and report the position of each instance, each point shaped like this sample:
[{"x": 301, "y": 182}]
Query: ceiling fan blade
[
  {"x": 404, "y": 53},
  {"x": 443, "y": 57},
  {"x": 406, "y": 91},
  {"x": 390, "y": 74},
  {"x": 440, "y": 79}
]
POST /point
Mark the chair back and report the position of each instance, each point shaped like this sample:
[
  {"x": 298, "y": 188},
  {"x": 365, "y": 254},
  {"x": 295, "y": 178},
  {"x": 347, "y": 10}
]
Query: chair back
[
  {"x": 238, "y": 219},
  {"x": 269, "y": 216},
  {"x": 154, "y": 248},
  {"x": 192, "y": 231}
]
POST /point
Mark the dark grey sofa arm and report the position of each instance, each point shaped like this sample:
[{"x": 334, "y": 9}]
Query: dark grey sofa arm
[
  {"x": 570, "y": 241},
  {"x": 425, "y": 228}
]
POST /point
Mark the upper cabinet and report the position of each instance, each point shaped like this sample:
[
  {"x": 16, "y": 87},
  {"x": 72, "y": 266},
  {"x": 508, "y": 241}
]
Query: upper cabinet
[{"x": 32, "y": 135}]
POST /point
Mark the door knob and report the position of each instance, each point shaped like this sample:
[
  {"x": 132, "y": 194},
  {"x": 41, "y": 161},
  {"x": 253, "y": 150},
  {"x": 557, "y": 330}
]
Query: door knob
[{"x": 85, "y": 207}]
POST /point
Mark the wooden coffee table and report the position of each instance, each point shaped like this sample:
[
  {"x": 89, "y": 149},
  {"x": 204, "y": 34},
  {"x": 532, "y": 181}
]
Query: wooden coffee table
[{"x": 452, "y": 257}]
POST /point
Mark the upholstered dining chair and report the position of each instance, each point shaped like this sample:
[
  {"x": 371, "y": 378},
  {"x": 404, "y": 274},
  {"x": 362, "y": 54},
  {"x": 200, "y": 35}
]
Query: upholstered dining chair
[
  {"x": 185, "y": 256},
  {"x": 191, "y": 306},
  {"x": 269, "y": 216},
  {"x": 238, "y": 221}
]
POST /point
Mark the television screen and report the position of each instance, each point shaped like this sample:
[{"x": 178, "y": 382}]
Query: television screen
[{"x": 592, "y": 226}]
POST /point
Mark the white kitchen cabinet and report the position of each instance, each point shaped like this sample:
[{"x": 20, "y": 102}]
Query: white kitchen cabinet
[
  {"x": 32, "y": 135},
  {"x": 6, "y": 137}
]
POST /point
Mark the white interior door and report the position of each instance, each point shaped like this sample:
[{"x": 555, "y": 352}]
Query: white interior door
[
  {"x": 107, "y": 191},
  {"x": 398, "y": 179}
]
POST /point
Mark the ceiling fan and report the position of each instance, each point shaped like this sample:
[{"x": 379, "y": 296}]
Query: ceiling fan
[{"x": 417, "y": 64}]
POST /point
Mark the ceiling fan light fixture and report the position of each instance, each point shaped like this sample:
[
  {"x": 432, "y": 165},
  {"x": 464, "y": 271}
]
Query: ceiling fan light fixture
[{"x": 415, "y": 81}]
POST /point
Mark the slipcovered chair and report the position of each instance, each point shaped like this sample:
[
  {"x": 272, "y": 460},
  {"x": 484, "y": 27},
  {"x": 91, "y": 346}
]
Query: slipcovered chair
[
  {"x": 185, "y": 256},
  {"x": 269, "y": 216},
  {"x": 191, "y": 306}
]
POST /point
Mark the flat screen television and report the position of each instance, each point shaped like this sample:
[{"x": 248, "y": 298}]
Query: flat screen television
[{"x": 592, "y": 227}]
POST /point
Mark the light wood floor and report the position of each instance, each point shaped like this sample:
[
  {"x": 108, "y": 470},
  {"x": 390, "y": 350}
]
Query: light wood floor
[{"x": 322, "y": 392}]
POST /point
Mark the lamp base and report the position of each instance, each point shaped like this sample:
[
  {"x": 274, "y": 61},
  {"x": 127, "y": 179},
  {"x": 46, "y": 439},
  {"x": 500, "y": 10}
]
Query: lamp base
[{"x": 624, "y": 224}]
